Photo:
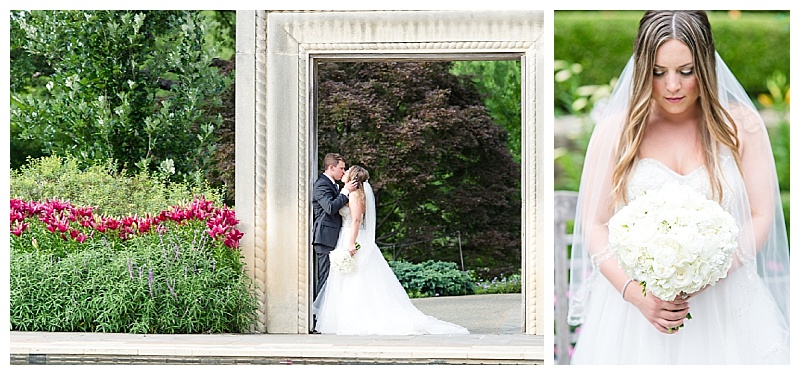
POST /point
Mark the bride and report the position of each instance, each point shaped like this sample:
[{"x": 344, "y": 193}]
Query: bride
[
  {"x": 369, "y": 300},
  {"x": 678, "y": 114}
]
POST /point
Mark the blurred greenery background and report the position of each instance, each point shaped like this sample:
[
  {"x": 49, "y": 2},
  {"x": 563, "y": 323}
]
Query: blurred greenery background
[{"x": 592, "y": 47}]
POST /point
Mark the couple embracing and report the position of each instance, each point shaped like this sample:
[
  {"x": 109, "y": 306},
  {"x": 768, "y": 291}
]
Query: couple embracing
[{"x": 367, "y": 300}]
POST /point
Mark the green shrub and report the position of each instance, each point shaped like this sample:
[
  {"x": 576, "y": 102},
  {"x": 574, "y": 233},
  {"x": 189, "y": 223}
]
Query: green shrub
[
  {"x": 100, "y": 186},
  {"x": 571, "y": 95},
  {"x": 158, "y": 284},
  {"x": 753, "y": 44},
  {"x": 432, "y": 278},
  {"x": 499, "y": 285},
  {"x": 137, "y": 87}
]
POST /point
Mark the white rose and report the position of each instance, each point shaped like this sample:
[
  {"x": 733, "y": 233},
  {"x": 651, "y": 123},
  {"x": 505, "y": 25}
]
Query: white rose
[{"x": 683, "y": 279}]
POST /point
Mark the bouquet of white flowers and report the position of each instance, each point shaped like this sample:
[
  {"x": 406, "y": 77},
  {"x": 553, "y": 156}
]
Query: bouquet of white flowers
[
  {"x": 673, "y": 240},
  {"x": 342, "y": 260}
]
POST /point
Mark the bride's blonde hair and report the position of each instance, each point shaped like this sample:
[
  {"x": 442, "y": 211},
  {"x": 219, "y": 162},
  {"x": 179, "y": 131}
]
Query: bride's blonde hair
[
  {"x": 360, "y": 175},
  {"x": 693, "y": 29}
]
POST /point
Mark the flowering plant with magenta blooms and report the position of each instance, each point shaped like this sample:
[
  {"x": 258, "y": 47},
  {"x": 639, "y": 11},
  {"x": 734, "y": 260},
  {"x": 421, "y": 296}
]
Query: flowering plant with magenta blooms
[{"x": 79, "y": 224}]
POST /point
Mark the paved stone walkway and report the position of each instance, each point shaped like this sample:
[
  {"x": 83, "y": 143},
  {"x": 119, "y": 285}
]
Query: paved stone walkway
[{"x": 495, "y": 314}]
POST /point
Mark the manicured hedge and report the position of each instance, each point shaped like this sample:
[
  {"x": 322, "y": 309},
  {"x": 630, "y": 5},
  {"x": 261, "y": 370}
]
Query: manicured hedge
[{"x": 754, "y": 44}]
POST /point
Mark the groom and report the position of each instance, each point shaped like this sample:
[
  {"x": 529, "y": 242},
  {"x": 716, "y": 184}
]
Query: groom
[{"x": 326, "y": 201}]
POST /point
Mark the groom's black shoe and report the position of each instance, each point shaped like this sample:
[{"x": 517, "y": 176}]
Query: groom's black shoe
[{"x": 314, "y": 330}]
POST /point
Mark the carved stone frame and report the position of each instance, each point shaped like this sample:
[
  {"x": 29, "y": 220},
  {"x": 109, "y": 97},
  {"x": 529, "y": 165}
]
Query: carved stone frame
[{"x": 277, "y": 53}]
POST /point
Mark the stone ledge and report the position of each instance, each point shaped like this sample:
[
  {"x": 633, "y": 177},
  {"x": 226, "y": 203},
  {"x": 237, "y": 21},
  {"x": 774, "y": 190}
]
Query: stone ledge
[
  {"x": 59, "y": 348},
  {"x": 122, "y": 359}
]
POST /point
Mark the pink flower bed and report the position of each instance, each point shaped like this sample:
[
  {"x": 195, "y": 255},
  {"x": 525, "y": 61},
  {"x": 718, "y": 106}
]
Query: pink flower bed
[{"x": 81, "y": 223}]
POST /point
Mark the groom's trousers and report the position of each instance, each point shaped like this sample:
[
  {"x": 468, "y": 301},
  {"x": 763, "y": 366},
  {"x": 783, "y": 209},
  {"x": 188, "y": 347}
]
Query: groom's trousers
[{"x": 323, "y": 265}]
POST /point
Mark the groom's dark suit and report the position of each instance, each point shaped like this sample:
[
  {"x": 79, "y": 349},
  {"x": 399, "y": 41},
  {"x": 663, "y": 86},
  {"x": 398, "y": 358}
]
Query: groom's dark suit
[{"x": 327, "y": 222}]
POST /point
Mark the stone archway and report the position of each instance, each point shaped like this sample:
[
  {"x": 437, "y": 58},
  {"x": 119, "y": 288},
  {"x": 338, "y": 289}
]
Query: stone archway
[{"x": 276, "y": 152}]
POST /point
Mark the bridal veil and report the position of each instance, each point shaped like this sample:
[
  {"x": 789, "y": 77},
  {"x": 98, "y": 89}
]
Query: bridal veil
[{"x": 764, "y": 251}]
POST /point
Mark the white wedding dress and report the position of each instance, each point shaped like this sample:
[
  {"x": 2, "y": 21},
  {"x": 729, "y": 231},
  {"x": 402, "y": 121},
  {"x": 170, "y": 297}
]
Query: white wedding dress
[
  {"x": 733, "y": 322},
  {"x": 370, "y": 300}
]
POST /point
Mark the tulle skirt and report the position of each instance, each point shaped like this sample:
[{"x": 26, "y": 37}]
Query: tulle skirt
[
  {"x": 733, "y": 322},
  {"x": 371, "y": 301}
]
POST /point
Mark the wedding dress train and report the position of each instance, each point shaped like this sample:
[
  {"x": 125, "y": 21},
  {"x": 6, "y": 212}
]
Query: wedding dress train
[{"x": 370, "y": 300}]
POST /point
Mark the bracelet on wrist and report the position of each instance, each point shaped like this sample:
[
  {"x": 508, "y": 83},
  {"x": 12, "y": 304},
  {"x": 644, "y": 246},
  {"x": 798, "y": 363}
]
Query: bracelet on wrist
[{"x": 624, "y": 287}]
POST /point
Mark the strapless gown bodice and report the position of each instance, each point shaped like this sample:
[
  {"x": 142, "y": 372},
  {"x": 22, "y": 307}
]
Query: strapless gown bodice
[{"x": 652, "y": 174}]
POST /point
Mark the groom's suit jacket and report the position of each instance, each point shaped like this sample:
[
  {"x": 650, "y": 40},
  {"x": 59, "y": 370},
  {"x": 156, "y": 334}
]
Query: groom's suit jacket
[{"x": 326, "y": 202}]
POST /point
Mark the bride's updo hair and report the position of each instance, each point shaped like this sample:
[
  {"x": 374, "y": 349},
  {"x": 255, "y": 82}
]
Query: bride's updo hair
[{"x": 360, "y": 175}]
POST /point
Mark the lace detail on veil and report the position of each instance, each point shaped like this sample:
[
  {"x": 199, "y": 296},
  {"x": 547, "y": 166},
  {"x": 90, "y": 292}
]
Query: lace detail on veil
[{"x": 601, "y": 257}]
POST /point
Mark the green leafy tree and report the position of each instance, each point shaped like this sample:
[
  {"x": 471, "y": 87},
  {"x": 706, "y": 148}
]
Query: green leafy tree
[
  {"x": 223, "y": 170},
  {"x": 223, "y": 31},
  {"x": 499, "y": 84},
  {"x": 128, "y": 86},
  {"x": 438, "y": 163}
]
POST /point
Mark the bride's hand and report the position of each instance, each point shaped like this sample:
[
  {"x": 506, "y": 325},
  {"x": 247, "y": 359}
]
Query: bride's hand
[
  {"x": 665, "y": 316},
  {"x": 699, "y": 291}
]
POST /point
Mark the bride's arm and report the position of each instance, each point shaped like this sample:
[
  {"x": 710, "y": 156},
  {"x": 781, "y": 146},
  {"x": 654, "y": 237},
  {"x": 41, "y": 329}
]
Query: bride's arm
[
  {"x": 357, "y": 213},
  {"x": 758, "y": 172},
  {"x": 758, "y": 176},
  {"x": 596, "y": 209},
  {"x": 663, "y": 315}
]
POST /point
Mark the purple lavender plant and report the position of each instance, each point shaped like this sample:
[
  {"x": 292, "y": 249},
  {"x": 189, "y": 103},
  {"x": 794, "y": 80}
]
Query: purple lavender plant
[{"x": 150, "y": 281}]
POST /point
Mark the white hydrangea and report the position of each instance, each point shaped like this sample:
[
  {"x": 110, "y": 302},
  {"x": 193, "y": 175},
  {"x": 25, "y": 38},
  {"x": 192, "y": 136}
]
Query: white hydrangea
[
  {"x": 342, "y": 261},
  {"x": 674, "y": 240}
]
